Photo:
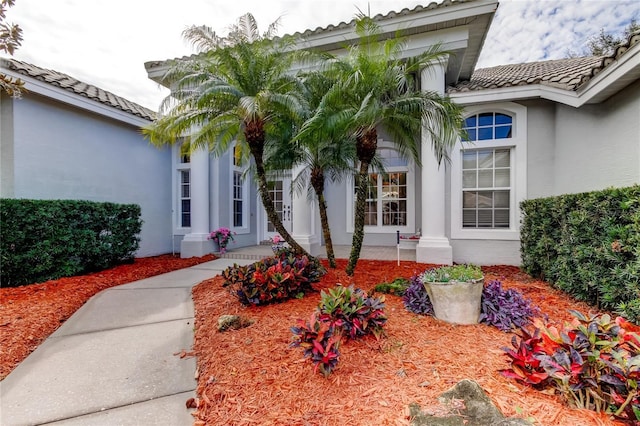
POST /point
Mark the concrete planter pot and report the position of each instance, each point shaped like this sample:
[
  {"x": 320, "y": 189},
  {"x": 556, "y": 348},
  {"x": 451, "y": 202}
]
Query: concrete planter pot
[{"x": 456, "y": 302}]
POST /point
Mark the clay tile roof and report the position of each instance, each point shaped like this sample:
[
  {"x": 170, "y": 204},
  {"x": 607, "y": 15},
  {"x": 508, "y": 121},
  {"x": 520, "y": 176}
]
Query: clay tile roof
[
  {"x": 380, "y": 17},
  {"x": 567, "y": 74},
  {"x": 71, "y": 84},
  {"x": 309, "y": 32}
]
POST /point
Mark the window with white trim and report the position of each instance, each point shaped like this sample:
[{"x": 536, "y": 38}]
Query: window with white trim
[
  {"x": 184, "y": 188},
  {"x": 390, "y": 205},
  {"x": 386, "y": 199},
  {"x": 488, "y": 173},
  {"x": 486, "y": 188},
  {"x": 239, "y": 201}
]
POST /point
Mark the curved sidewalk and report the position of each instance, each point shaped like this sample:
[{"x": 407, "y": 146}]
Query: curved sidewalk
[{"x": 116, "y": 361}]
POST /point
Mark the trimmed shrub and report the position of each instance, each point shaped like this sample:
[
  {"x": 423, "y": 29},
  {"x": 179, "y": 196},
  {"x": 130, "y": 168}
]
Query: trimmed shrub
[
  {"x": 587, "y": 245},
  {"x": 42, "y": 240}
]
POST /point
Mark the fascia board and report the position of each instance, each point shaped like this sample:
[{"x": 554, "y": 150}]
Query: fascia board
[
  {"x": 47, "y": 90},
  {"x": 626, "y": 68},
  {"x": 515, "y": 93},
  {"x": 401, "y": 23}
]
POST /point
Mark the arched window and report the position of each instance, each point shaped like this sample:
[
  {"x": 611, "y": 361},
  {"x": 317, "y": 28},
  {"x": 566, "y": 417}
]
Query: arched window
[
  {"x": 487, "y": 126},
  {"x": 489, "y": 173}
]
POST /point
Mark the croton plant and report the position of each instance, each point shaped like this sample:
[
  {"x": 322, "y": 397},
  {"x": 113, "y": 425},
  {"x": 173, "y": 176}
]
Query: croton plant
[
  {"x": 342, "y": 311},
  {"x": 593, "y": 362}
]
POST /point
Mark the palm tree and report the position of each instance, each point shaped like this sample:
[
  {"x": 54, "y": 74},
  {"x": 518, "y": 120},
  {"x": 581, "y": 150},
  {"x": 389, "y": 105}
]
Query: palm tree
[
  {"x": 374, "y": 88},
  {"x": 237, "y": 90},
  {"x": 321, "y": 153}
]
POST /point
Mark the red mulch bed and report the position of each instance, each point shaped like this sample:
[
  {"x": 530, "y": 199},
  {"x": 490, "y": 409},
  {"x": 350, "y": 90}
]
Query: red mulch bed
[
  {"x": 29, "y": 314},
  {"x": 251, "y": 376}
]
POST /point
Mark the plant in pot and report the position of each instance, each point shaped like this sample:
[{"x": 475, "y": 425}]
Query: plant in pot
[
  {"x": 455, "y": 292},
  {"x": 222, "y": 237}
]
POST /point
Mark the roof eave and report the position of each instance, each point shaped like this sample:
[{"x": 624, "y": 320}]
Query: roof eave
[
  {"x": 516, "y": 93},
  {"x": 474, "y": 16},
  {"x": 613, "y": 78},
  {"x": 35, "y": 86}
]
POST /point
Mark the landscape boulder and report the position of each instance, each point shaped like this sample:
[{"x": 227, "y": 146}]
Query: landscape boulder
[{"x": 466, "y": 405}]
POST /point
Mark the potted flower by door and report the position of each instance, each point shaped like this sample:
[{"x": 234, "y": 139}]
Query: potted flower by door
[
  {"x": 455, "y": 292},
  {"x": 222, "y": 237}
]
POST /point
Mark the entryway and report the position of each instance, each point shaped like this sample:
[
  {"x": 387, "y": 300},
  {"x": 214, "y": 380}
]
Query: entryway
[{"x": 280, "y": 190}]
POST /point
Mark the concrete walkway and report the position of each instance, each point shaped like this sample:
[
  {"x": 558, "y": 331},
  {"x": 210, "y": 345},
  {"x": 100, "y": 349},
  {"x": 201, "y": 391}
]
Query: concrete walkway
[{"x": 116, "y": 360}]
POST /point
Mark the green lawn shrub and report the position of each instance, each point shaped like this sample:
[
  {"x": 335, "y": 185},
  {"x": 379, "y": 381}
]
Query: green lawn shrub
[
  {"x": 42, "y": 240},
  {"x": 587, "y": 245}
]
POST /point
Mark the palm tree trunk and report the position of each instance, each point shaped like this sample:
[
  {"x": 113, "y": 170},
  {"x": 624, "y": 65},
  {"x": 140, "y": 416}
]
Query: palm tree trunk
[
  {"x": 361, "y": 203},
  {"x": 267, "y": 202},
  {"x": 326, "y": 232},
  {"x": 254, "y": 135}
]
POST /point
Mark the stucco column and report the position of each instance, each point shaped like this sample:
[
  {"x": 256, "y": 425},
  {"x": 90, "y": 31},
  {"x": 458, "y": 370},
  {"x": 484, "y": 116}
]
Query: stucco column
[
  {"x": 303, "y": 223},
  {"x": 196, "y": 243},
  {"x": 434, "y": 246}
]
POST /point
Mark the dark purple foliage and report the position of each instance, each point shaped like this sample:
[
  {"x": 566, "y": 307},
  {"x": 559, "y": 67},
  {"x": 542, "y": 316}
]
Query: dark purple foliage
[
  {"x": 416, "y": 298},
  {"x": 505, "y": 309}
]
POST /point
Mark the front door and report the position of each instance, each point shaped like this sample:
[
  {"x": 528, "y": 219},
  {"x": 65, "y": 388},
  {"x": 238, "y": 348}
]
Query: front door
[{"x": 280, "y": 190}]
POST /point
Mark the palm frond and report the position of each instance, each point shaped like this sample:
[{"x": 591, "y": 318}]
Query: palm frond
[{"x": 203, "y": 38}]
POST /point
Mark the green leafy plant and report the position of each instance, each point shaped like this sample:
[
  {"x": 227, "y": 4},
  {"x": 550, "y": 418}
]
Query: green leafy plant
[
  {"x": 459, "y": 273},
  {"x": 273, "y": 279},
  {"x": 396, "y": 287},
  {"x": 593, "y": 362},
  {"x": 353, "y": 310}
]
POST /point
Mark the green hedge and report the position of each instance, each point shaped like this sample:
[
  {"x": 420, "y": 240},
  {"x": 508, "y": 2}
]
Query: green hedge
[
  {"x": 587, "y": 245},
  {"x": 42, "y": 240}
]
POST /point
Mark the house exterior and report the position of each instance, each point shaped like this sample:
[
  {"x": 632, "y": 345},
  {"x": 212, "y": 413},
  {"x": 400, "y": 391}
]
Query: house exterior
[
  {"x": 65, "y": 139},
  {"x": 535, "y": 130}
]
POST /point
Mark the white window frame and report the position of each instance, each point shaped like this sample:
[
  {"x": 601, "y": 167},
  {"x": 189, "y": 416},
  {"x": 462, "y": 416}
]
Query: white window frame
[
  {"x": 233, "y": 168},
  {"x": 177, "y": 178},
  {"x": 517, "y": 145},
  {"x": 409, "y": 169}
]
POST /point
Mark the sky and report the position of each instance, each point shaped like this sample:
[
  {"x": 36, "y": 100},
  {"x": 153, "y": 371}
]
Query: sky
[{"x": 106, "y": 43}]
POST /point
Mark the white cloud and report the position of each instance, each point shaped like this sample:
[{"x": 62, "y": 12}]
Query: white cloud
[
  {"x": 526, "y": 31},
  {"x": 106, "y": 43}
]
